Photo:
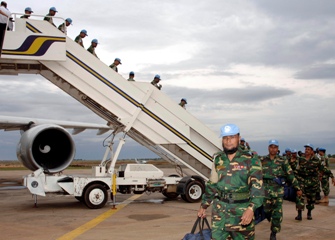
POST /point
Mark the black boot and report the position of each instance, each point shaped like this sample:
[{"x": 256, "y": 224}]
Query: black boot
[
  {"x": 309, "y": 214},
  {"x": 299, "y": 216},
  {"x": 273, "y": 236}
]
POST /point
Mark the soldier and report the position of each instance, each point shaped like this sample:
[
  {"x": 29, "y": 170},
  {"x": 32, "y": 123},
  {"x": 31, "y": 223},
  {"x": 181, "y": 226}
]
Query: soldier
[
  {"x": 324, "y": 177},
  {"x": 294, "y": 160},
  {"x": 94, "y": 44},
  {"x": 242, "y": 146},
  {"x": 276, "y": 170},
  {"x": 27, "y": 12},
  {"x": 116, "y": 63},
  {"x": 183, "y": 102},
  {"x": 288, "y": 153},
  {"x": 79, "y": 38},
  {"x": 155, "y": 82},
  {"x": 308, "y": 174},
  {"x": 234, "y": 187},
  {"x": 48, "y": 17},
  {"x": 63, "y": 26},
  {"x": 131, "y": 76}
]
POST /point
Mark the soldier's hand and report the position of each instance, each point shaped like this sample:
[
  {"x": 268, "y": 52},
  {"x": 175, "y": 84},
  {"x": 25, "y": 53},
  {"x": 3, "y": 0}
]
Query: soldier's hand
[
  {"x": 333, "y": 181},
  {"x": 247, "y": 217},
  {"x": 299, "y": 193},
  {"x": 202, "y": 212},
  {"x": 247, "y": 144}
]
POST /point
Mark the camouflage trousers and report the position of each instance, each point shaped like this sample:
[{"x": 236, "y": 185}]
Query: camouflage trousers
[
  {"x": 225, "y": 221},
  {"x": 325, "y": 185},
  {"x": 274, "y": 207},
  {"x": 309, "y": 189}
]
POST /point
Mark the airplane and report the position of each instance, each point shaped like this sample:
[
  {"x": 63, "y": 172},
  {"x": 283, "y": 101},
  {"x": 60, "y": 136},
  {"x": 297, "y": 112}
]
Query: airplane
[
  {"x": 140, "y": 161},
  {"x": 45, "y": 143}
]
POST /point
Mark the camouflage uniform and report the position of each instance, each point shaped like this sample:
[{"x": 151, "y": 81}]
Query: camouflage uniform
[
  {"x": 237, "y": 180},
  {"x": 114, "y": 67},
  {"x": 91, "y": 49},
  {"x": 244, "y": 147},
  {"x": 49, "y": 19},
  {"x": 273, "y": 201},
  {"x": 308, "y": 173},
  {"x": 325, "y": 177}
]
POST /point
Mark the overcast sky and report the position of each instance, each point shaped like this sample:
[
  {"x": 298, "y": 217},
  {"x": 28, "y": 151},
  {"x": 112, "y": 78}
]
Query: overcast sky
[{"x": 267, "y": 66}]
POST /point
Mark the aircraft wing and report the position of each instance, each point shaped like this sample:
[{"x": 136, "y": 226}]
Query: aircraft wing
[{"x": 10, "y": 123}]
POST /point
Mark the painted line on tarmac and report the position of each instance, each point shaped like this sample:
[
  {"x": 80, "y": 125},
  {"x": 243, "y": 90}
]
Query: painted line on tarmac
[{"x": 94, "y": 222}]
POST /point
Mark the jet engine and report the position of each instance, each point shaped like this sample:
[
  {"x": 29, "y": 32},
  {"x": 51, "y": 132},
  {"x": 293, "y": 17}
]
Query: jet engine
[{"x": 46, "y": 146}]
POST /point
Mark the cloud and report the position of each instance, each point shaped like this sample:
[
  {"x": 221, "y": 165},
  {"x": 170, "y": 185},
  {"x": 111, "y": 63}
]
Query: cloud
[
  {"x": 320, "y": 71},
  {"x": 235, "y": 61}
]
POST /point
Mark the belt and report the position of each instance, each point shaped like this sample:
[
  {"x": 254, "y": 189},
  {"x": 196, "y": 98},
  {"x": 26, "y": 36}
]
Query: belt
[
  {"x": 226, "y": 200},
  {"x": 268, "y": 181},
  {"x": 235, "y": 197}
]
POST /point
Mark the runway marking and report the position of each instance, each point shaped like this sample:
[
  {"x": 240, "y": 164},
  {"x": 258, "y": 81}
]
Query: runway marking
[{"x": 94, "y": 222}]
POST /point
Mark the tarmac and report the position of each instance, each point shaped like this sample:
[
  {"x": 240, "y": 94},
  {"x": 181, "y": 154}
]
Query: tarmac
[{"x": 134, "y": 216}]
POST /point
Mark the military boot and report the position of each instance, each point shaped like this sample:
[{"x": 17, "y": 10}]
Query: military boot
[
  {"x": 299, "y": 216},
  {"x": 309, "y": 214},
  {"x": 273, "y": 236}
]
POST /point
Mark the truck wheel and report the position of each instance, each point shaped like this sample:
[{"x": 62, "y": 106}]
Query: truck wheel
[
  {"x": 183, "y": 197},
  {"x": 193, "y": 192},
  {"x": 95, "y": 196},
  {"x": 170, "y": 195}
]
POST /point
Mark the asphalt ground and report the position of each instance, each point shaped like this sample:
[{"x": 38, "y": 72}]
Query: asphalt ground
[{"x": 135, "y": 216}]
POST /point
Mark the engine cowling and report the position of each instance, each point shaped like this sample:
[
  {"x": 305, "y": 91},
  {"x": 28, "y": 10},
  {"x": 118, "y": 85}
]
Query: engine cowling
[{"x": 46, "y": 146}]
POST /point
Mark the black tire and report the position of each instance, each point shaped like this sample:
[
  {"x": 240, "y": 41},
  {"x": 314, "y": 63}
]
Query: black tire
[
  {"x": 170, "y": 195},
  {"x": 183, "y": 197},
  {"x": 80, "y": 199},
  {"x": 193, "y": 191},
  {"x": 138, "y": 192},
  {"x": 95, "y": 196}
]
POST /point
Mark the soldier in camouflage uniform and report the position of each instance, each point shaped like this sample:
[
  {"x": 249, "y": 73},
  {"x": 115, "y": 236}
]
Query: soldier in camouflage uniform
[
  {"x": 294, "y": 161},
  {"x": 244, "y": 145},
  {"x": 276, "y": 170},
  {"x": 288, "y": 154},
  {"x": 308, "y": 173},
  {"x": 324, "y": 177},
  {"x": 235, "y": 187},
  {"x": 94, "y": 44}
]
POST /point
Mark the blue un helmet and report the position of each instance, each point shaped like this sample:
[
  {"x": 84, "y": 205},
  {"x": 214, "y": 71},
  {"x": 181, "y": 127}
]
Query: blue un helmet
[
  {"x": 274, "y": 142},
  {"x": 84, "y": 31},
  {"x": 69, "y": 20},
  {"x": 322, "y": 149},
  {"x": 294, "y": 151},
  {"x": 184, "y": 99},
  {"x": 53, "y": 9},
  {"x": 288, "y": 150},
  {"x": 28, "y": 9},
  {"x": 229, "y": 130},
  {"x": 118, "y": 59},
  {"x": 309, "y": 145},
  {"x": 95, "y": 41},
  {"x": 132, "y": 73},
  {"x": 157, "y": 76}
]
